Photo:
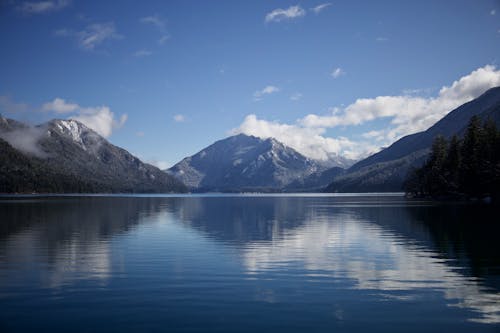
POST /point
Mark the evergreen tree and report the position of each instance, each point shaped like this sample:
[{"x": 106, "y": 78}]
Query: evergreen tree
[
  {"x": 452, "y": 165},
  {"x": 469, "y": 167},
  {"x": 490, "y": 168},
  {"x": 414, "y": 183},
  {"x": 471, "y": 158},
  {"x": 436, "y": 182}
]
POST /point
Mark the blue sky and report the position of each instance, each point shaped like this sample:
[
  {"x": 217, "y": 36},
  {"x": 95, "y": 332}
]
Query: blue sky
[{"x": 165, "y": 79}]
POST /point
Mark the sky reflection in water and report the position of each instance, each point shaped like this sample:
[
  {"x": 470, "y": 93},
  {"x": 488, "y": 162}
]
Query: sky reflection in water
[{"x": 190, "y": 263}]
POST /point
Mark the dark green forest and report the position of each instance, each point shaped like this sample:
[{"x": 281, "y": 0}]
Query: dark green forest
[
  {"x": 20, "y": 173},
  {"x": 467, "y": 167}
]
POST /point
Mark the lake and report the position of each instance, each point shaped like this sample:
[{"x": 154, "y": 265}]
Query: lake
[{"x": 247, "y": 263}]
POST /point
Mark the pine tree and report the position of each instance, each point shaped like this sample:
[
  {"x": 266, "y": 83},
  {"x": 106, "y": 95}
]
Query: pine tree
[
  {"x": 490, "y": 168},
  {"x": 452, "y": 165},
  {"x": 436, "y": 182},
  {"x": 469, "y": 167},
  {"x": 471, "y": 158}
]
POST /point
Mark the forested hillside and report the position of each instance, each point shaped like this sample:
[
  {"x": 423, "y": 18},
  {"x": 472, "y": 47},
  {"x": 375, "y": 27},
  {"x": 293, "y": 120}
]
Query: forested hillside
[{"x": 468, "y": 167}]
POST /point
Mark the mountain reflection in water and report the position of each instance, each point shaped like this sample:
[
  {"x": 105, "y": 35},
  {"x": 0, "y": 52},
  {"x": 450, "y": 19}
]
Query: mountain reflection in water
[{"x": 324, "y": 254}]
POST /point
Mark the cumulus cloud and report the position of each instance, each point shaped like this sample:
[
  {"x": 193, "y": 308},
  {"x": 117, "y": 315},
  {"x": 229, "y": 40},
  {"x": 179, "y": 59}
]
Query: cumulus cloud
[
  {"x": 317, "y": 9},
  {"x": 92, "y": 36},
  {"x": 59, "y": 105},
  {"x": 179, "y": 118},
  {"x": 99, "y": 118},
  {"x": 337, "y": 72},
  {"x": 375, "y": 135},
  {"x": 309, "y": 141},
  {"x": 407, "y": 114},
  {"x": 410, "y": 114},
  {"x": 259, "y": 94},
  {"x": 42, "y": 7},
  {"x": 279, "y": 14}
]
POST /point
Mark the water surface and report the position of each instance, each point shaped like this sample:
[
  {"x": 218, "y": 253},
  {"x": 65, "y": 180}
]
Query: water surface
[{"x": 247, "y": 263}]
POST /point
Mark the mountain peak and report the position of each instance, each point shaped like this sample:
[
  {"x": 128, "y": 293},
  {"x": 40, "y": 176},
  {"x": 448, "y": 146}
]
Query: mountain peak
[
  {"x": 243, "y": 162},
  {"x": 70, "y": 157},
  {"x": 76, "y": 131}
]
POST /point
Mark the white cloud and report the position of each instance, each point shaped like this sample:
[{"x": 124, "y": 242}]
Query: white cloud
[
  {"x": 59, "y": 105},
  {"x": 42, "y": 7},
  {"x": 382, "y": 39},
  {"x": 337, "y": 72},
  {"x": 417, "y": 91},
  {"x": 179, "y": 118},
  {"x": 160, "y": 24},
  {"x": 142, "y": 53},
  {"x": 296, "y": 97},
  {"x": 163, "y": 39},
  {"x": 265, "y": 91},
  {"x": 279, "y": 14},
  {"x": 319, "y": 8},
  {"x": 410, "y": 114},
  {"x": 92, "y": 36},
  {"x": 493, "y": 12},
  {"x": 26, "y": 139},
  {"x": 310, "y": 247},
  {"x": 407, "y": 114},
  {"x": 140, "y": 134},
  {"x": 156, "y": 21},
  {"x": 100, "y": 118},
  {"x": 375, "y": 135},
  {"x": 162, "y": 165},
  {"x": 309, "y": 141}
]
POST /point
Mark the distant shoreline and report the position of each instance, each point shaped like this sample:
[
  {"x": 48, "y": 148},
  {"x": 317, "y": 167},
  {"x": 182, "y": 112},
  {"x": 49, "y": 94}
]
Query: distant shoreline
[{"x": 208, "y": 194}]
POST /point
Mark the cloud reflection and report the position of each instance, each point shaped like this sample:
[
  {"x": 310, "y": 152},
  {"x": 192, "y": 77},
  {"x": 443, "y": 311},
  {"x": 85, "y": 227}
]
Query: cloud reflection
[{"x": 346, "y": 246}]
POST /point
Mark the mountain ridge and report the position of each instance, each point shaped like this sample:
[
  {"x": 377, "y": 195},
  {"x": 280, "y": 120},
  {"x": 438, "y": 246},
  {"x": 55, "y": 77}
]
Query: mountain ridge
[
  {"x": 244, "y": 163},
  {"x": 68, "y": 148},
  {"x": 374, "y": 172}
]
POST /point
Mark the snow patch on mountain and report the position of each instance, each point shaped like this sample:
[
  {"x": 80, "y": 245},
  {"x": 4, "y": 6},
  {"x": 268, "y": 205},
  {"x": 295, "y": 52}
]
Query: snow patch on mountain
[
  {"x": 73, "y": 129},
  {"x": 244, "y": 163}
]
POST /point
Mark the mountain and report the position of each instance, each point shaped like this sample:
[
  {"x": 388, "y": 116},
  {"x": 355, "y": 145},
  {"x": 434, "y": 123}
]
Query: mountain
[
  {"x": 387, "y": 169},
  {"x": 315, "y": 182},
  {"x": 244, "y": 163},
  {"x": 67, "y": 156}
]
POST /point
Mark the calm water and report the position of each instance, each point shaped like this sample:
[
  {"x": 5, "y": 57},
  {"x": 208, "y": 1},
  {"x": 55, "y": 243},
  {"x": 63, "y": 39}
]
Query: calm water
[{"x": 247, "y": 263}]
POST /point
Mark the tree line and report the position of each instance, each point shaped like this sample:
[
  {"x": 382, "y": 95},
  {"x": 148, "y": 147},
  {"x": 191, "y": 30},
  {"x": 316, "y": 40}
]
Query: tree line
[{"x": 467, "y": 167}]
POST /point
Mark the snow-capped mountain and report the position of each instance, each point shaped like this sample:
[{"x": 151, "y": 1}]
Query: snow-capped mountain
[
  {"x": 78, "y": 132},
  {"x": 244, "y": 163},
  {"x": 67, "y": 149}
]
